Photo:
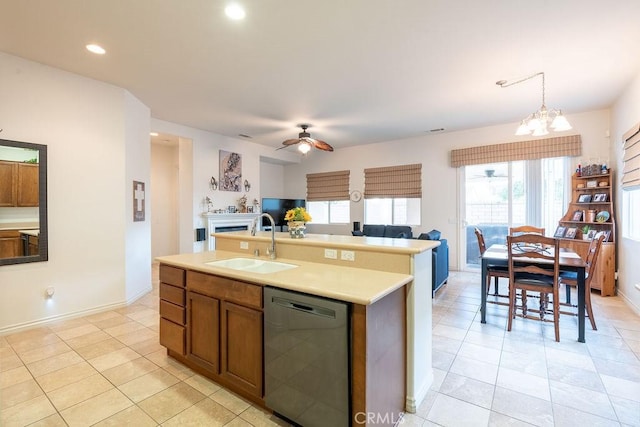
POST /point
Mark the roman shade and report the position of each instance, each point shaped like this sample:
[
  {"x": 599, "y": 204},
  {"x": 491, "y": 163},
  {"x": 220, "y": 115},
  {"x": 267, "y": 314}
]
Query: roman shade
[
  {"x": 328, "y": 186},
  {"x": 560, "y": 146},
  {"x": 393, "y": 181},
  {"x": 631, "y": 159}
]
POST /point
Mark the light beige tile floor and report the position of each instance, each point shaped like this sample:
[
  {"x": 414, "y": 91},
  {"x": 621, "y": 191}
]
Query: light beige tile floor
[{"x": 108, "y": 369}]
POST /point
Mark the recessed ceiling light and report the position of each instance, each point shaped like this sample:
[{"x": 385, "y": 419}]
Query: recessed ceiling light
[
  {"x": 94, "y": 48},
  {"x": 153, "y": 133},
  {"x": 234, "y": 11}
]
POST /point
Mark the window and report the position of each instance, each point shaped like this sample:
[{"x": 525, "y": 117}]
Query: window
[
  {"x": 631, "y": 214},
  {"x": 330, "y": 212},
  {"x": 393, "y": 195},
  {"x": 328, "y": 197}
]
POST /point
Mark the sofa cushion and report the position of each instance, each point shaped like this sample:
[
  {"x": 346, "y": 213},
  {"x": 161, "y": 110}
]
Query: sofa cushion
[
  {"x": 373, "y": 230},
  {"x": 432, "y": 235},
  {"x": 398, "y": 231}
]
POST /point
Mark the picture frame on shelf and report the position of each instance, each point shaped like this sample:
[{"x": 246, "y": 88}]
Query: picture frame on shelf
[
  {"x": 592, "y": 184},
  {"x": 606, "y": 233},
  {"x": 560, "y": 231},
  {"x": 231, "y": 209},
  {"x": 577, "y": 216},
  {"x": 249, "y": 209},
  {"x": 600, "y": 197},
  {"x": 584, "y": 198},
  {"x": 571, "y": 233}
]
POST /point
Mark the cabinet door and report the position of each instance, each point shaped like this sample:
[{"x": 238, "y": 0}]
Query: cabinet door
[
  {"x": 28, "y": 189},
  {"x": 8, "y": 187},
  {"x": 203, "y": 331},
  {"x": 10, "y": 244},
  {"x": 241, "y": 347}
]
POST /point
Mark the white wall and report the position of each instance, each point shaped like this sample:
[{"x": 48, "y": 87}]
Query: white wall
[
  {"x": 86, "y": 127},
  {"x": 440, "y": 198},
  {"x": 164, "y": 181},
  {"x": 624, "y": 114},
  {"x": 272, "y": 180},
  {"x": 204, "y": 152}
]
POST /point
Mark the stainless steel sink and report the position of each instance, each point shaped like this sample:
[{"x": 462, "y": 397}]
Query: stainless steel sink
[{"x": 251, "y": 265}]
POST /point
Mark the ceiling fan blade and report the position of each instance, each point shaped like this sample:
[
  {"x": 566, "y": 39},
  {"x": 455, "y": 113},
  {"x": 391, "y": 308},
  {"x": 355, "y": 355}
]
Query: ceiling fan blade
[
  {"x": 321, "y": 145},
  {"x": 291, "y": 141}
]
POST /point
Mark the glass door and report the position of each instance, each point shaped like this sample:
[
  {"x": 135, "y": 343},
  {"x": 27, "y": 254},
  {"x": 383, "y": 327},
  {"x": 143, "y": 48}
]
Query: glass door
[{"x": 502, "y": 195}]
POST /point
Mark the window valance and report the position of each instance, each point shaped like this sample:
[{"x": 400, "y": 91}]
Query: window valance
[
  {"x": 328, "y": 186},
  {"x": 560, "y": 146},
  {"x": 393, "y": 181},
  {"x": 631, "y": 158}
]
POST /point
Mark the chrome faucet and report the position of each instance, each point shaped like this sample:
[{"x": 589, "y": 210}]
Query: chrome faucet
[{"x": 271, "y": 251}]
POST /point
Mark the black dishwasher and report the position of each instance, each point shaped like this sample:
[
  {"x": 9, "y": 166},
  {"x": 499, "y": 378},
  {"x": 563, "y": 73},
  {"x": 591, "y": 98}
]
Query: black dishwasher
[{"x": 306, "y": 350}]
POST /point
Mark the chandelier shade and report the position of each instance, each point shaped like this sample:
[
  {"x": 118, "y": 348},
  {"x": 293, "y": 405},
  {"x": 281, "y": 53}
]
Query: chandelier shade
[{"x": 539, "y": 123}]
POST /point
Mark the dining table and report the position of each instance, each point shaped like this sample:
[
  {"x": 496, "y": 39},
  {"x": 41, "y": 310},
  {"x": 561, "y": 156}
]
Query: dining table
[{"x": 497, "y": 255}]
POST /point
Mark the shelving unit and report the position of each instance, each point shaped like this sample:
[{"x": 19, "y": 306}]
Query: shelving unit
[{"x": 591, "y": 197}]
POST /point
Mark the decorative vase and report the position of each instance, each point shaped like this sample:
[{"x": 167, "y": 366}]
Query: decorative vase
[{"x": 296, "y": 229}]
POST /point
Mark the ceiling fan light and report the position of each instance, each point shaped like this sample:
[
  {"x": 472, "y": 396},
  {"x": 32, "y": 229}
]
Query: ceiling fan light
[
  {"x": 523, "y": 129},
  {"x": 560, "y": 123},
  {"x": 304, "y": 147}
]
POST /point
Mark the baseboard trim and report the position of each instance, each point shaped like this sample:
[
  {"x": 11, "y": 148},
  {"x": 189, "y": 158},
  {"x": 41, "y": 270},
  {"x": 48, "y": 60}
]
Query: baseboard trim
[
  {"x": 18, "y": 327},
  {"x": 412, "y": 402},
  {"x": 630, "y": 303}
]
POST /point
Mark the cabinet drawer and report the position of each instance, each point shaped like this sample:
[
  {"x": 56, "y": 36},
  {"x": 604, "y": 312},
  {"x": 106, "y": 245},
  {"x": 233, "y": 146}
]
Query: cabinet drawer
[
  {"x": 172, "y": 275},
  {"x": 172, "y": 312},
  {"x": 172, "y": 336},
  {"x": 225, "y": 289},
  {"x": 172, "y": 294}
]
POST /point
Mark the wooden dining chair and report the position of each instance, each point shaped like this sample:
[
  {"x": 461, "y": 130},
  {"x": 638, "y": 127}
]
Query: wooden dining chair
[
  {"x": 534, "y": 266},
  {"x": 570, "y": 280},
  {"x": 526, "y": 229},
  {"x": 493, "y": 271}
]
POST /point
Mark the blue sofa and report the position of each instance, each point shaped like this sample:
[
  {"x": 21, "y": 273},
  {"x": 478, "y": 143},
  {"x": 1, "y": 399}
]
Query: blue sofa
[
  {"x": 439, "y": 255},
  {"x": 440, "y": 260}
]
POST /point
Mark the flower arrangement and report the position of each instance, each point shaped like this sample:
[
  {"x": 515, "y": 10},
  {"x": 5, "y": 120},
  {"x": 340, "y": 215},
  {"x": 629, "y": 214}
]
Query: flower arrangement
[{"x": 297, "y": 214}]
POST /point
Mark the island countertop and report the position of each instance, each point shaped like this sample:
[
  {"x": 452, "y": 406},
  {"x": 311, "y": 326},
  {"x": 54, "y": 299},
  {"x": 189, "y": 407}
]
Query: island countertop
[
  {"x": 363, "y": 243},
  {"x": 355, "y": 285}
]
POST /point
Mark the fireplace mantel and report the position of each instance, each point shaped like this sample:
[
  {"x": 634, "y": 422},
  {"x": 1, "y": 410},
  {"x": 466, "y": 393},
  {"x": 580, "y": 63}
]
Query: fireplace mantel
[{"x": 218, "y": 220}]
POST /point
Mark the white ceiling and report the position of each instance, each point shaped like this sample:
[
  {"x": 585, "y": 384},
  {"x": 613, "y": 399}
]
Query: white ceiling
[{"x": 360, "y": 71}]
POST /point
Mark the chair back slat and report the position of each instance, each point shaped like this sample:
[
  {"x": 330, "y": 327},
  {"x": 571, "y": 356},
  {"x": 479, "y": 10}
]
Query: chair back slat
[
  {"x": 481, "y": 243},
  {"x": 533, "y": 247},
  {"x": 526, "y": 229},
  {"x": 592, "y": 257}
]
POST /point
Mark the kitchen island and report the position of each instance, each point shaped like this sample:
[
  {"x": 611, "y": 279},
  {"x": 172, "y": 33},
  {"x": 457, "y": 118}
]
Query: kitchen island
[{"x": 386, "y": 281}]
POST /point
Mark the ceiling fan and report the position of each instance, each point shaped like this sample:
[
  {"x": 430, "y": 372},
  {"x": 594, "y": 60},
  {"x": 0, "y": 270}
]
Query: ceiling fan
[
  {"x": 306, "y": 142},
  {"x": 490, "y": 173}
]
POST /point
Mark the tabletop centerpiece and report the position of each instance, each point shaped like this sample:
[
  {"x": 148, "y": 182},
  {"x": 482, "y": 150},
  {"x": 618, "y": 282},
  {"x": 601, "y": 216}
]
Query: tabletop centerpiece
[{"x": 296, "y": 219}]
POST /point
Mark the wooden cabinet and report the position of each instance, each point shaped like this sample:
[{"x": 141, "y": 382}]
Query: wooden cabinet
[
  {"x": 203, "y": 331},
  {"x": 10, "y": 244},
  {"x": 215, "y": 324},
  {"x": 172, "y": 308},
  {"x": 241, "y": 347},
  {"x": 19, "y": 184},
  {"x": 8, "y": 183},
  {"x": 33, "y": 243},
  {"x": 28, "y": 184},
  {"x": 590, "y": 212}
]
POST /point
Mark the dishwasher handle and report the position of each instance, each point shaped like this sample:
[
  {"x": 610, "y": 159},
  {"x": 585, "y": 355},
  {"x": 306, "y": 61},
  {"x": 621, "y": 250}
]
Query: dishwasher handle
[{"x": 307, "y": 308}]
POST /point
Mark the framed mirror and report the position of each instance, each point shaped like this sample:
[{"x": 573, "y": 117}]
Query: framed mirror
[{"x": 23, "y": 202}]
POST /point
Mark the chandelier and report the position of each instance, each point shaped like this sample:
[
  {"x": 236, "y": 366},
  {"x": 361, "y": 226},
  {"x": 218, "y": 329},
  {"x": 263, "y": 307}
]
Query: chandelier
[{"x": 538, "y": 123}]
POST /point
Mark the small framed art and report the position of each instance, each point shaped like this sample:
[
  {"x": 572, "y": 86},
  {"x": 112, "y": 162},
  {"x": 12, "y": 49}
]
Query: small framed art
[
  {"x": 571, "y": 233},
  {"x": 577, "y": 216},
  {"x": 600, "y": 197},
  {"x": 584, "y": 198},
  {"x": 560, "y": 231}
]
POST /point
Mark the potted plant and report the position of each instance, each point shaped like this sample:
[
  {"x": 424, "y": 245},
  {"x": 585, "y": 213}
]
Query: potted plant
[{"x": 586, "y": 235}]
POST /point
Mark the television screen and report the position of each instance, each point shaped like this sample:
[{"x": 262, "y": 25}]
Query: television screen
[{"x": 277, "y": 208}]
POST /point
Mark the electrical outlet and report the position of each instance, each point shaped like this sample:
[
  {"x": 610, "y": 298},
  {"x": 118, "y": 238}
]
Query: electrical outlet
[
  {"x": 348, "y": 255},
  {"x": 244, "y": 245},
  {"x": 331, "y": 253}
]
